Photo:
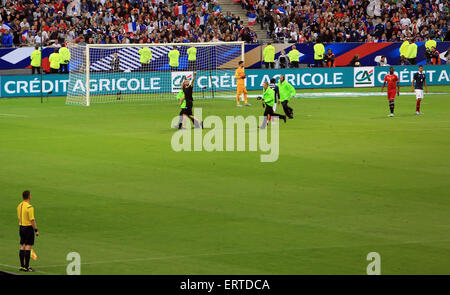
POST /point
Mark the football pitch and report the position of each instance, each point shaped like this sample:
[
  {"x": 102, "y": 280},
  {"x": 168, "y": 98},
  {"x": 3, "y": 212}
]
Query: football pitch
[{"x": 106, "y": 183}]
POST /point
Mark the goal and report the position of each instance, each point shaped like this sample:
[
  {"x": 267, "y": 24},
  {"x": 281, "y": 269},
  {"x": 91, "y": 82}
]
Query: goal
[{"x": 112, "y": 73}]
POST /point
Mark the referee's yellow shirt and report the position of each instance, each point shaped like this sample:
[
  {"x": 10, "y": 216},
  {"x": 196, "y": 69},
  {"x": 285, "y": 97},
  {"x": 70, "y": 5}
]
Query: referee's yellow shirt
[{"x": 25, "y": 213}]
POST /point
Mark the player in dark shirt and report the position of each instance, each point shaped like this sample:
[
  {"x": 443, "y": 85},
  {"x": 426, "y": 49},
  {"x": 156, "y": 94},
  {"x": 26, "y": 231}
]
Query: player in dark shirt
[
  {"x": 274, "y": 87},
  {"x": 188, "y": 89},
  {"x": 419, "y": 81}
]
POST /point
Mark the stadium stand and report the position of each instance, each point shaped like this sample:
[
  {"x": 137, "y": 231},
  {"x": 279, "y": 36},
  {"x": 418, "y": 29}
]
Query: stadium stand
[
  {"x": 115, "y": 21},
  {"x": 301, "y": 21}
]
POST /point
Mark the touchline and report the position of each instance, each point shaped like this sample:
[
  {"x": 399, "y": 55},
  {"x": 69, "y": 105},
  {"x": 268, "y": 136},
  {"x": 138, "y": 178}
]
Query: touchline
[{"x": 233, "y": 127}]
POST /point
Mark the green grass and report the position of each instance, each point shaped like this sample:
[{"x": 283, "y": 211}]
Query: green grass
[{"x": 349, "y": 180}]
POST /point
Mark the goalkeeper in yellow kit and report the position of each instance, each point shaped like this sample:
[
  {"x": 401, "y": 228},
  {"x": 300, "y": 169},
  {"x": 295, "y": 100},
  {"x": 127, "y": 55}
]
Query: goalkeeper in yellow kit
[{"x": 240, "y": 84}]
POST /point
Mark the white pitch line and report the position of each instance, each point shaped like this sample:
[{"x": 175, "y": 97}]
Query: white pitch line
[
  {"x": 242, "y": 252},
  {"x": 14, "y": 115},
  {"x": 333, "y": 94}
]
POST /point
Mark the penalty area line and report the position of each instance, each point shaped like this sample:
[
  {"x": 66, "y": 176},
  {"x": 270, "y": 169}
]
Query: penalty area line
[{"x": 14, "y": 115}]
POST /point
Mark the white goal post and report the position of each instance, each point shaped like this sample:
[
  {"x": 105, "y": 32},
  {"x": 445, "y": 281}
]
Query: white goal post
[{"x": 106, "y": 73}]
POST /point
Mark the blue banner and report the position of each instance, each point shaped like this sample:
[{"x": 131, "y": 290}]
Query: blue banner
[{"x": 220, "y": 80}]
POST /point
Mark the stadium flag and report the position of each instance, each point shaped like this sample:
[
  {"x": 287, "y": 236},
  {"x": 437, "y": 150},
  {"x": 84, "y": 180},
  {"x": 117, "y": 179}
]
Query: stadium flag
[
  {"x": 280, "y": 10},
  {"x": 25, "y": 35},
  {"x": 5, "y": 27},
  {"x": 217, "y": 12},
  {"x": 203, "y": 19},
  {"x": 180, "y": 9},
  {"x": 33, "y": 254},
  {"x": 130, "y": 27},
  {"x": 251, "y": 19}
]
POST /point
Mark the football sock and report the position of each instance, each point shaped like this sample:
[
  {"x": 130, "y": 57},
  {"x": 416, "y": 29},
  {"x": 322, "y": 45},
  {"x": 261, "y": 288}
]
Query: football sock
[
  {"x": 22, "y": 258},
  {"x": 27, "y": 258},
  {"x": 264, "y": 123},
  {"x": 245, "y": 98},
  {"x": 237, "y": 99},
  {"x": 418, "y": 105},
  {"x": 391, "y": 106}
]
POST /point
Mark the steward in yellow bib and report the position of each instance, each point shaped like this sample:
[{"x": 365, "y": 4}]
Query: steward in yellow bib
[
  {"x": 411, "y": 52},
  {"x": 319, "y": 54},
  {"x": 145, "y": 55},
  {"x": 174, "y": 58},
  {"x": 403, "y": 49},
  {"x": 35, "y": 61},
  {"x": 64, "y": 54},
  {"x": 269, "y": 56},
  {"x": 294, "y": 57},
  {"x": 429, "y": 50},
  {"x": 192, "y": 57},
  {"x": 55, "y": 61}
]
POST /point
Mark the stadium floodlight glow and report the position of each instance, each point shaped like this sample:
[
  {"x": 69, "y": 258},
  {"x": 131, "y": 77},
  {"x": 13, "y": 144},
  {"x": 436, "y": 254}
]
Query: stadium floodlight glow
[{"x": 106, "y": 73}]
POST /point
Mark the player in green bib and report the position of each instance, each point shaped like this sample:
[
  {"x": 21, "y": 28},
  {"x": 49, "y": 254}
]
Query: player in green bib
[
  {"x": 269, "y": 101},
  {"x": 180, "y": 98}
]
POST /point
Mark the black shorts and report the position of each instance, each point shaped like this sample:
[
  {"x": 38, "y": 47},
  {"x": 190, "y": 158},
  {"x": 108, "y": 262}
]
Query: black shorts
[
  {"x": 186, "y": 111},
  {"x": 268, "y": 111},
  {"x": 26, "y": 234}
]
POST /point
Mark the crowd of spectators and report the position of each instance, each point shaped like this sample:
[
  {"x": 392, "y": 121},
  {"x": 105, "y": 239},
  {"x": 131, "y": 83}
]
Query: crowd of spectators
[
  {"x": 106, "y": 21},
  {"x": 299, "y": 21}
]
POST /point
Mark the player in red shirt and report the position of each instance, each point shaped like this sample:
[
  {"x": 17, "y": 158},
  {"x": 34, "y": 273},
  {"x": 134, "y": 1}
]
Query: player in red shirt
[{"x": 392, "y": 89}]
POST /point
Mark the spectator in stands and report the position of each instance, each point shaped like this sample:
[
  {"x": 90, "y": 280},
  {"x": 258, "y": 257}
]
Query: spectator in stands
[
  {"x": 349, "y": 21},
  {"x": 156, "y": 21},
  {"x": 7, "y": 39}
]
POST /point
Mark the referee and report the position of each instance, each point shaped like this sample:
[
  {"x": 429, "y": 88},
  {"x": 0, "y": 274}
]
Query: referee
[{"x": 27, "y": 228}]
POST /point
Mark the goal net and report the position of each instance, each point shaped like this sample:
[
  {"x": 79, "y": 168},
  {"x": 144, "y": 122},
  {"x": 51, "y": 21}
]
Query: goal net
[{"x": 106, "y": 73}]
